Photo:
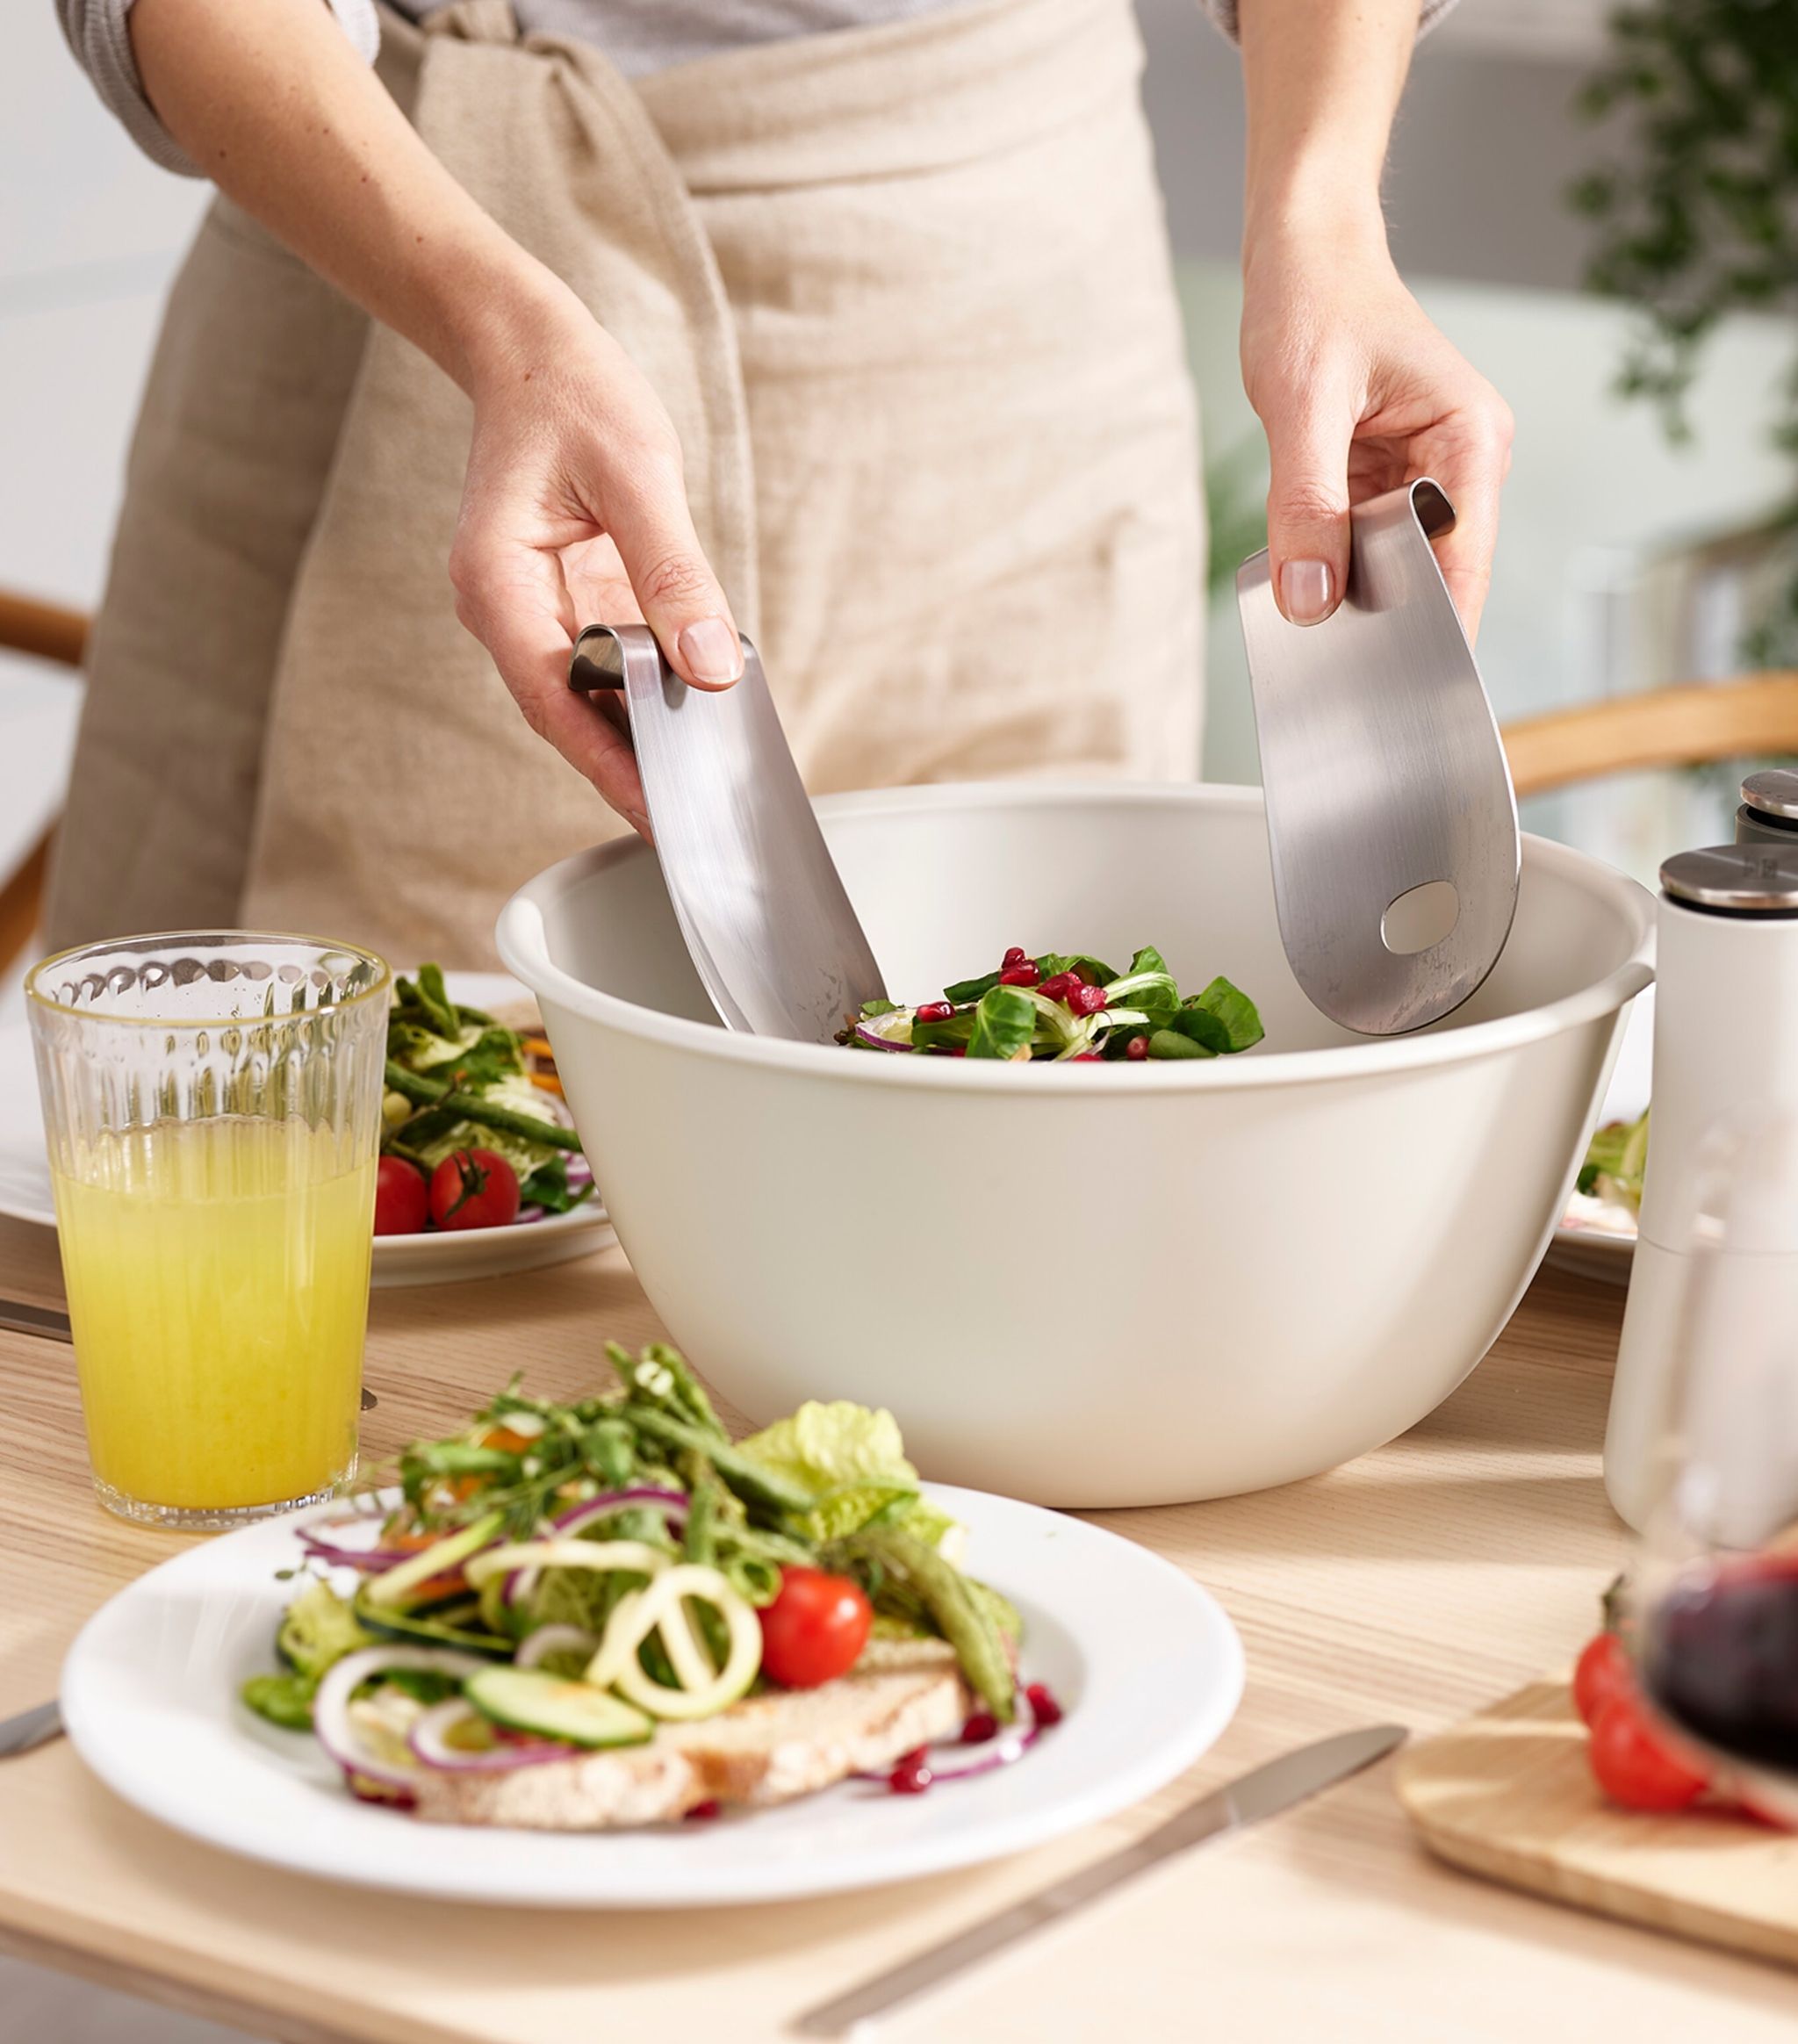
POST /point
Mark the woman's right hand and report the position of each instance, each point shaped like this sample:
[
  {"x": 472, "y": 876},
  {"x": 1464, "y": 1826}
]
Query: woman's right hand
[{"x": 574, "y": 512}]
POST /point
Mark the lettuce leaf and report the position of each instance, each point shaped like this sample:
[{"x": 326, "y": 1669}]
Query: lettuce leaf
[{"x": 851, "y": 1458}]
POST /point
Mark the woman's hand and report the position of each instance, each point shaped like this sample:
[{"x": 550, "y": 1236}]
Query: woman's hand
[
  {"x": 1360, "y": 394},
  {"x": 574, "y": 513}
]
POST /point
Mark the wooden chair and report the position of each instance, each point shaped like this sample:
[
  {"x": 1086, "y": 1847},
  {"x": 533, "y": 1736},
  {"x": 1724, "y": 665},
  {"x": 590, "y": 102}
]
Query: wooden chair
[
  {"x": 1689, "y": 726},
  {"x": 49, "y": 632}
]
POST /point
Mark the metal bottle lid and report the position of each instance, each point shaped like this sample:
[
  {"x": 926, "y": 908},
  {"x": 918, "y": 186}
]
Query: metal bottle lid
[
  {"x": 1773, "y": 792},
  {"x": 1738, "y": 879}
]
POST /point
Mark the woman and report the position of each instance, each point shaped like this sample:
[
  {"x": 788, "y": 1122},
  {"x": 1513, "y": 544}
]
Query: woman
[{"x": 848, "y": 323}]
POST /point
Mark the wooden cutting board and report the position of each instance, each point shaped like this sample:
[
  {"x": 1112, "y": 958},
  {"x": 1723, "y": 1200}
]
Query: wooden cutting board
[{"x": 1508, "y": 1795}]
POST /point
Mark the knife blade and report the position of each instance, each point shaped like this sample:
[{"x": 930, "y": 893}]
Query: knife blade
[
  {"x": 35, "y": 1727},
  {"x": 1263, "y": 1792},
  {"x": 18, "y": 1317}
]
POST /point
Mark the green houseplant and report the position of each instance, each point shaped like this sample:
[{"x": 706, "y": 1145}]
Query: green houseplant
[{"x": 1696, "y": 211}]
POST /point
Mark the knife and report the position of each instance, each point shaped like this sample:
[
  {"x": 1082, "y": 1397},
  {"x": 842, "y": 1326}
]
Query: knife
[
  {"x": 30, "y": 1728},
  {"x": 1263, "y": 1792},
  {"x": 18, "y": 1317}
]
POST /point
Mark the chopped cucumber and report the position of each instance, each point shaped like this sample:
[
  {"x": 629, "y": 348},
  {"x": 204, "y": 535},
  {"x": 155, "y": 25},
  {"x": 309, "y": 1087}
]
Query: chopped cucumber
[
  {"x": 396, "y": 1584},
  {"x": 529, "y": 1700}
]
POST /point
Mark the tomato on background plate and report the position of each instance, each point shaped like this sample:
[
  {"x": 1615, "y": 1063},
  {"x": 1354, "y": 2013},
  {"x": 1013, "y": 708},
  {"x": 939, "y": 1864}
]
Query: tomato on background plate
[
  {"x": 474, "y": 1188},
  {"x": 402, "y": 1200},
  {"x": 815, "y": 1630}
]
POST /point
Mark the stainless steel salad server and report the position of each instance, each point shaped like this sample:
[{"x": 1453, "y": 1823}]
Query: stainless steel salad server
[
  {"x": 1263, "y": 1791},
  {"x": 772, "y": 931},
  {"x": 1390, "y": 816}
]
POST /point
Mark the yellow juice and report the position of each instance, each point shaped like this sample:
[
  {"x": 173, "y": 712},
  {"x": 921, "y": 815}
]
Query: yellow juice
[{"x": 218, "y": 1276}]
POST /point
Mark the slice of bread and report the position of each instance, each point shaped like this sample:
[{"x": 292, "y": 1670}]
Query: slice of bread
[{"x": 767, "y": 1749}]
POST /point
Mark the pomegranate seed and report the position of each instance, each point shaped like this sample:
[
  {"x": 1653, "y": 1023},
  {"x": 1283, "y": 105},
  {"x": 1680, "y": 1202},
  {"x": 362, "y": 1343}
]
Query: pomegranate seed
[
  {"x": 980, "y": 1728},
  {"x": 911, "y": 1775},
  {"x": 1136, "y": 1049},
  {"x": 1043, "y": 1705},
  {"x": 1020, "y": 976},
  {"x": 935, "y": 1012},
  {"x": 1059, "y": 987},
  {"x": 1017, "y": 955},
  {"x": 702, "y": 1813},
  {"x": 1086, "y": 1057},
  {"x": 1085, "y": 1000}
]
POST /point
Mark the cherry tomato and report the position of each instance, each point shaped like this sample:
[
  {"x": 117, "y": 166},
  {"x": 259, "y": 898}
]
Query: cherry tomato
[
  {"x": 474, "y": 1189},
  {"x": 401, "y": 1198},
  {"x": 1633, "y": 1763},
  {"x": 1601, "y": 1673},
  {"x": 815, "y": 1630}
]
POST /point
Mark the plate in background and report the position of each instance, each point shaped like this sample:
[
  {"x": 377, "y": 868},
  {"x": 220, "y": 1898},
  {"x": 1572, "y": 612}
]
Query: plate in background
[
  {"x": 429, "y": 1258},
  {"x": 1595, "y": 1238}
]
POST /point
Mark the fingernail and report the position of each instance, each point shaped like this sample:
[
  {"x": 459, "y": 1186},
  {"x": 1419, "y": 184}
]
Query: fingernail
[
  {"x": 1305, "y": 591},
  {"x": 710, "y": 650}
]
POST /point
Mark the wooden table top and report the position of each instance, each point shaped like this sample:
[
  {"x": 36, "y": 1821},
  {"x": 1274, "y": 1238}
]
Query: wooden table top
[{"x": 1418, "y": 1583}]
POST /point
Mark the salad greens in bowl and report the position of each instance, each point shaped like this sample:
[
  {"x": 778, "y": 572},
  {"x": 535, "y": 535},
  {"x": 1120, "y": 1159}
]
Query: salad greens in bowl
[{"x": 1066, "y": 1007}]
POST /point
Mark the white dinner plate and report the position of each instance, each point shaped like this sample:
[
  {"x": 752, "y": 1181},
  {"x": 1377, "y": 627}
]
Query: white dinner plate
[
  {"x": 1595, "y": 1238},
  {"x": 1148, "y": 1668},
  {"x": 431, "y": 1258}
]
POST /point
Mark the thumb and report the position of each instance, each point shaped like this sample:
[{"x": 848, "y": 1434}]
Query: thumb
[
  {"x": 1308, "y": 510},
  {"x": 672, "y": 581}
]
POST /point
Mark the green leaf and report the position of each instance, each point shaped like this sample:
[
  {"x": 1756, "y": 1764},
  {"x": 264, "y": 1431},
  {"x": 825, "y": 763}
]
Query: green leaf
[
  {"x": 1094, "y": 971},
  {"x": 1205, "y": 1029},
  {"x": 950, "y": 1033},
  {"x": 871, "y": 1009},
  {"x": 1169, "y": 1043},
  {"x": 548, "y": 1187},
  {"x": 851, "y": 1458},
  {"x": 1005, "y": 1022},
  {"x": 1232, "y": 1007},
  {"x": 966, "y": 991},
  {"x": 1147, "y": 960}
]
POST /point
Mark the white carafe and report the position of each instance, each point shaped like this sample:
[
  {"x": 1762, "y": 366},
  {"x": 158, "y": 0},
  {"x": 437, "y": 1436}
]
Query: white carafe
[{"x": 1725, "y": 1047}]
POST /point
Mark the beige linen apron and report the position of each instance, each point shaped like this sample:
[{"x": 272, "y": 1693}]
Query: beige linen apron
[{"x": 905, "y": 292}]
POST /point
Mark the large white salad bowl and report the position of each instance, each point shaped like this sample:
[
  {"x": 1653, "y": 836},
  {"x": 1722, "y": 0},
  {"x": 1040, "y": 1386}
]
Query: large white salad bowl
[{"x": 1083, "y": 1284}]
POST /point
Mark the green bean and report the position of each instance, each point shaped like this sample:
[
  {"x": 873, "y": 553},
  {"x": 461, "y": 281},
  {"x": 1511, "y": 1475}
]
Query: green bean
[
  {"x": 427, "y": 1092},
  {"x": 748, "y": 1479},
  {"x": 967, "y": 1624}
]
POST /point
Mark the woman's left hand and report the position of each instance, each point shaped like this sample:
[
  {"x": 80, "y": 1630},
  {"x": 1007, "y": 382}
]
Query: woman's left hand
[{"x": 1360, "y": 394}]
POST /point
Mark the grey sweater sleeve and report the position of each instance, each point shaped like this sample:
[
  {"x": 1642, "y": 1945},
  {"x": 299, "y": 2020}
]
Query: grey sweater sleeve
[
  {"x": 1224, "y": 13},
  {"x": 98, "y": 33}
]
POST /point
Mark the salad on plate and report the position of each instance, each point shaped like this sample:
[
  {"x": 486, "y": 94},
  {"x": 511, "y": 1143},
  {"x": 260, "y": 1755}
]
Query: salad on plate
[
  {"x": 1066, "y": 1008},
  {"x": 474, "y": 1134},
  {"x": 574, "y": 1617}
]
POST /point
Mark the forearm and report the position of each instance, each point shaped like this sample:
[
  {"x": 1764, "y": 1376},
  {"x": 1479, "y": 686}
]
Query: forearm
[
  {"x": 1323, "y": 80},
  {"x": 273, "y": 103}
]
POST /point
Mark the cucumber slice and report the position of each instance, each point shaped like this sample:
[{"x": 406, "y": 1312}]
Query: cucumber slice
[
  {"x": 394, "y": 1585},
  {"x": 440, "y": 1626},
  {"x": 528, "y": 1700}
]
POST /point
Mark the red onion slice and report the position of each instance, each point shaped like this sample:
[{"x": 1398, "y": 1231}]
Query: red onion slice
[
  {"x": 331, "y": 1706},
  {"x": 429, "y": 1739},
  {"x": 1007, "y": 1747},
  {"x": 886, "y": 1032}
]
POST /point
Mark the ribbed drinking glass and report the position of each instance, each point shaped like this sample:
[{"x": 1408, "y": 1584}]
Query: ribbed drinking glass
[{"x": 213, "y": 1107}]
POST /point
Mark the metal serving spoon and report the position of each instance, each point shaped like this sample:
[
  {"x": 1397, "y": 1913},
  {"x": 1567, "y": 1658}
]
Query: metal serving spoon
[
  {"x": 772, "y": 931},
  {"x": 1391, "y": 817}
]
